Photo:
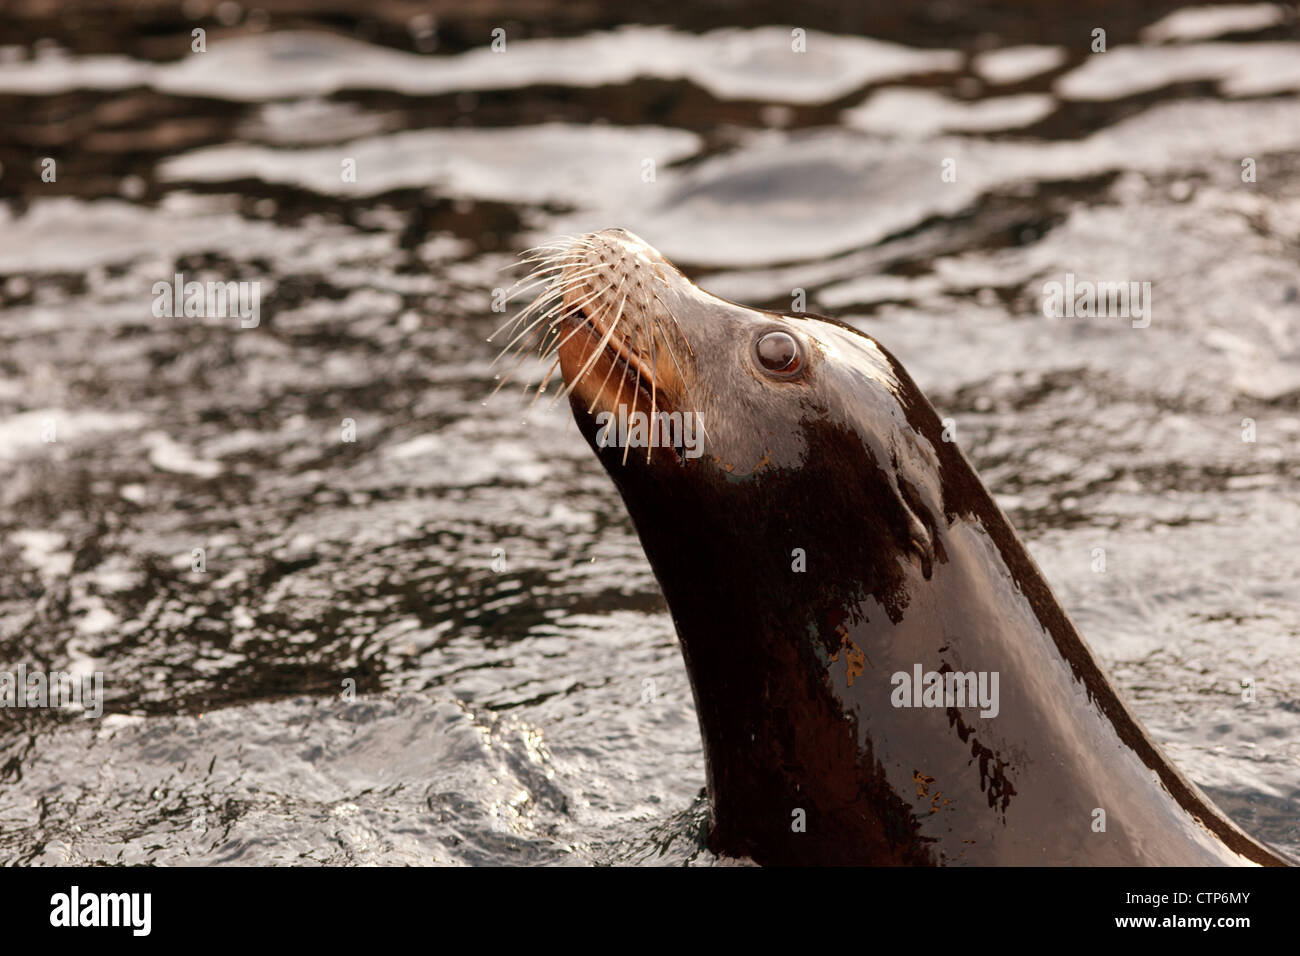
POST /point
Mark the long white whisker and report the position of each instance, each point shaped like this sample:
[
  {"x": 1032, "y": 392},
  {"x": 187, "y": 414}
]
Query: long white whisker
[
  {"x": 599, "y": 348},
  {"x": 542, "y": 318},
  {"x": 551, "y": 291}
]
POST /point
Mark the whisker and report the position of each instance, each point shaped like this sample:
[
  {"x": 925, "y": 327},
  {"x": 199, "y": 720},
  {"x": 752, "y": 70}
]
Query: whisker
[
  {"x": 605, "y": 381},
  {"x": 551, "y": 292},
  {"x": 673, "y": 316},
  {"x": 542, "y": 387},
  {"x": 541, "y": 318},
  {"x": 654, "y": 370},
  {"x": 603, "y": 342},
  {"x": 636, "y": 395}
]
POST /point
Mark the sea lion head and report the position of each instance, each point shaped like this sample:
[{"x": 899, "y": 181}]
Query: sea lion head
[{"x": 713, "y": 413}]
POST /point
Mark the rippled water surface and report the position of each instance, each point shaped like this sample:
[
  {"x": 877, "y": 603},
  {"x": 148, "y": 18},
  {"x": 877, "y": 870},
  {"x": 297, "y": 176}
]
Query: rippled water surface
[{"x": 539, "y": 712}]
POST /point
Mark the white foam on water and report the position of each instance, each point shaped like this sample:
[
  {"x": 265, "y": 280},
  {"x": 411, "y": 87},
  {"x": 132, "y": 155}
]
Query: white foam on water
[
  {"x": 1206, "y": 23},
  {"x": 1241, "y": 69},
  {"x": 23, "y": 434},
  {"x": 166, "y": 455},
  {"x": 1014, "y": 64},
  {"x": 549, "y": 162},
  {"x": 46, "y": 551},
  {"x": 757, "y": 63},
  {"x": 921, "y": 113}
]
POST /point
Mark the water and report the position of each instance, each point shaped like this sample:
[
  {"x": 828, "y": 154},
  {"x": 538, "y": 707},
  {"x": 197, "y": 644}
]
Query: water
[{"x": 540, "y": 712}]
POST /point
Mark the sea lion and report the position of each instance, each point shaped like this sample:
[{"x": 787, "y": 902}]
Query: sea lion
[{"x": 881, "y": 672}]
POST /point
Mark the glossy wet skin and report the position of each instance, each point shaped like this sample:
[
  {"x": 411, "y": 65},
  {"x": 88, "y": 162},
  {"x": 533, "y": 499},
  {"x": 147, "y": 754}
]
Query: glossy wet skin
[{"x": 908, "y": 561}]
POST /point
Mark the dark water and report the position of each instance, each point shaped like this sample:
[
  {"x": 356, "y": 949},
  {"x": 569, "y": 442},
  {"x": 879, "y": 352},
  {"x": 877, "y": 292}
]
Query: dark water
[{"x": 539, "y": 712}]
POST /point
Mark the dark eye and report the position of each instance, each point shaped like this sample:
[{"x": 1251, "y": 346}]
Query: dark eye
[{"x": 778, "y": 352}]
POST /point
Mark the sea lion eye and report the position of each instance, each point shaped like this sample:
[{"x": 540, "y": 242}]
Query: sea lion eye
[{"x": 779, "y": 352}]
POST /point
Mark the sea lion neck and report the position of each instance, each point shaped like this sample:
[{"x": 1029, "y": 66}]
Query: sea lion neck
[{"x": 817, "y": 751}]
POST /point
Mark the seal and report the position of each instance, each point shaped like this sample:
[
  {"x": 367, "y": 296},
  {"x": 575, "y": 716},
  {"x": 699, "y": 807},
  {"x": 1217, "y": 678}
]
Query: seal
[{"x": 881, "y": 672}]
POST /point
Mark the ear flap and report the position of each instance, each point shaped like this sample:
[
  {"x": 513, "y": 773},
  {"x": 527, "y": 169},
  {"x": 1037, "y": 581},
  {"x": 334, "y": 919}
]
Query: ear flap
[{"x": 923, "y": 536}]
